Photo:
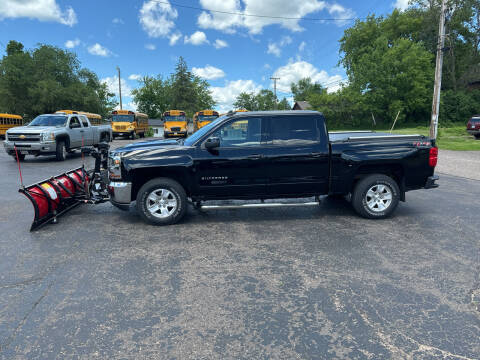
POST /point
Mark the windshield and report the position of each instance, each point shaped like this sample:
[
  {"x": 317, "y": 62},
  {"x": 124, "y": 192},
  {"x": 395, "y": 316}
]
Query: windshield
[
  {"x": 174, "y": 118},
  {"x": 49, "y": 120},
  {"x": 198, "y": 134},
  {"x": 207, "y": 117},
  {"x": 123, "y": 118}
]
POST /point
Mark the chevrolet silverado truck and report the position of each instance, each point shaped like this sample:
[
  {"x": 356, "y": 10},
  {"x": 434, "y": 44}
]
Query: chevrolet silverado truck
[
  {"x": 270, "y": 155},
  {"x": 55, "y": 134}
]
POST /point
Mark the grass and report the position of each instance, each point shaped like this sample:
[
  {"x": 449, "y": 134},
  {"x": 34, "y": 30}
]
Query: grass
[{"x": 449, "y": 138}]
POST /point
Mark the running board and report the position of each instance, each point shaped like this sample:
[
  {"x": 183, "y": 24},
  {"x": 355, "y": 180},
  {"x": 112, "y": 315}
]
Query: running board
[{"x": 263, "y": 205}]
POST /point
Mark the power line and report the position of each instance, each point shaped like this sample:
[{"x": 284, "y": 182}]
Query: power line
[{"x": 255, "y": 15}]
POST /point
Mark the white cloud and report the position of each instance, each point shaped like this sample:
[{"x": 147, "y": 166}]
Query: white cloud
[
  {"x": 209, "y": 72},
  {"x": 225, "y": 95},
  {"x": 340, "y": 12},
  {"x": 220, "y": 44},
  {"x": 118, "y": 21},
  {"x": 127, "y": 105},
  {"x": 70, "y": 44},
  {"x": 112, "y": 84},
  {"x": 276, "y": 48},
  {"x": 275, "y": 8},
  {"x": 134, "y": 77},
  {"x": 302, "y": 45},
  {"x": 197, "y": 38},
  {"x": 99, "y": 50},
  {"x": 401, "y": 4},
  {"x": 175, "y": 37},
  {"x": 150, "y": 46},
  {"x": 43, "y": 10},
  {"x": 294, "y": 71},
  {"x": 157, "y": 18}
]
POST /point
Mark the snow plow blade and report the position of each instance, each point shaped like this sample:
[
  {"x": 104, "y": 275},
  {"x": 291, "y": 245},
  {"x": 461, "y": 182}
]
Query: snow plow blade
[{"x": 53, "y": 197}]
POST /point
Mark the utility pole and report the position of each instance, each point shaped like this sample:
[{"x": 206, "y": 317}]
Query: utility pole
[
  {"x": 119, "y": 87},
  {"x": 438, "y": 74},
  {"x": 275, "y": 89}
]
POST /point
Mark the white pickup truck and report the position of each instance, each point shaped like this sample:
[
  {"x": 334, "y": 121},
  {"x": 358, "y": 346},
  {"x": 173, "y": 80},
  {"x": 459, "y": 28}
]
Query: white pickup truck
[{"x": 55, "y": 134}]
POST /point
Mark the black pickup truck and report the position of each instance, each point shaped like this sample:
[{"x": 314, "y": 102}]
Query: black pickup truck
[{"x": 268, "y": 155}]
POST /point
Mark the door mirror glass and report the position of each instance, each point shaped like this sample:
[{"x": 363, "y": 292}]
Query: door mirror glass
[
  {"x": 212, "y": 143},
  {"x": 74, "y": 125}
]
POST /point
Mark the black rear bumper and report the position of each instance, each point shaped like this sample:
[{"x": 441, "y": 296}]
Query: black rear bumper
[{"x": 430, "y": 184}]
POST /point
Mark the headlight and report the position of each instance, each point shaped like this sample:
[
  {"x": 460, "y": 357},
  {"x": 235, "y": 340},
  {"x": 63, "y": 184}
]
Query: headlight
[
  {"x": 114, "y": 166},
  {"x": 48, "y": 137}
]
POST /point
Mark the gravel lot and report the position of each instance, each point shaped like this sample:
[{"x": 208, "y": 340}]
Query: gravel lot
[
  {"x": 459, "y": 163},
  {"x": 282, "y": 283}
]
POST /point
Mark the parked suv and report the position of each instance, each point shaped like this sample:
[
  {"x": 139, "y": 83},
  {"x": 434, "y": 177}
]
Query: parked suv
[{"x": 473, "y": 126}]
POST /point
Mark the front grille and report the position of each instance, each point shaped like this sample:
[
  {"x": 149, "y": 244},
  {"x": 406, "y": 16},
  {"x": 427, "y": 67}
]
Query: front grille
[
  {"x": 175, "y": 129},
  {"x": 24, "y": 137},
  {"x": 120, "y": 127}
]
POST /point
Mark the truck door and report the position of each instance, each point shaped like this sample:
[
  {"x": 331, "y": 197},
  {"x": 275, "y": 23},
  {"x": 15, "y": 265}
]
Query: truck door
[
  {"x": 298, "y": 155},
  {"x": 87, "y": 132},
  {"x": 237, "y": 167},
  {"x": 75, "y": 131}
]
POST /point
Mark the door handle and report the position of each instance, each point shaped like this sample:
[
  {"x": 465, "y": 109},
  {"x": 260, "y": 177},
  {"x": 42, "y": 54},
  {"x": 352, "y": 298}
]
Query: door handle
[{"x": 255, "y": 157}]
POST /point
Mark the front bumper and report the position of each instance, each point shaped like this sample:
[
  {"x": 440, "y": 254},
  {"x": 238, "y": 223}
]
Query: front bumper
[
  {"x": 120, "y": 194},
  {"x": 33, "y": 148},
  {"x": 175, "y": 133},
  {"x": 430, "y": 184},
  {"x": 122, "y": 133}
]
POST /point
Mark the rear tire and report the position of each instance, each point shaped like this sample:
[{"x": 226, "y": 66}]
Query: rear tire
[
  {"x": 376, "y": 196},
  {"x": 477, "y": 136},
  {"x": 162, "y": 201},
  {"x": 61, "y": 151}
]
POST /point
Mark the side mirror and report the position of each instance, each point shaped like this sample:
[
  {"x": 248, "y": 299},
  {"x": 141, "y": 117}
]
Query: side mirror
[
  {"x": 74, "y": 125},
  {"x": 212, "y": 143}
]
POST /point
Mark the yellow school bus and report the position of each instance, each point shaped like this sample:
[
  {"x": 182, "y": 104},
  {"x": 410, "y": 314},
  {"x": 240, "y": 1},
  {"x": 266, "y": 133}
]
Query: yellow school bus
[
  {"x": 94, "y": 119},
  {"x": 174, "y": 123},
  {"x": 8, "y": 121},
  {"x": 129, "y": 123},
  {"x": 202, "y": 118}
]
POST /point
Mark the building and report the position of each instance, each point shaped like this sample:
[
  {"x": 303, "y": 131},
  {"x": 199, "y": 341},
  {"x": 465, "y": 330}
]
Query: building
[
  {"x": 157, "y": 126},
  {"x": 301, "y": 105}
]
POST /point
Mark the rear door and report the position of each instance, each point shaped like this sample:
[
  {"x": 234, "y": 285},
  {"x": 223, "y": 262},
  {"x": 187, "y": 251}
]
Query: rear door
[
  {"x": 298, "y": 155},
  {"x": 237, "y": 168}
]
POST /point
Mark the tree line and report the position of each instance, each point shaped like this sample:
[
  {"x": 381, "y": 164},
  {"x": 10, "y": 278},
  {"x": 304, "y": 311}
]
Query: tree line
[
  {"x": 390, "y": 64},
  {"x": 47, "y": 79}
]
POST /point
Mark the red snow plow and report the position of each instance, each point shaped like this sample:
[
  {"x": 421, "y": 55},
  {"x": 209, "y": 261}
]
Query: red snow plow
[{"x": 55, "y": 196}]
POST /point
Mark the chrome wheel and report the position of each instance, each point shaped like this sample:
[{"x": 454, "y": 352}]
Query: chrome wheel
[
  {"x": 161, "y": 203},
  {"x": 64, "y": 151},
  {"x": 378, "y": 197}
]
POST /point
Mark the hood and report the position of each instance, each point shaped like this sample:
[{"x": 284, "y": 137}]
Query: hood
[
  {"x": 31, "y": 129},
  {"x": 146, "y": 145}
]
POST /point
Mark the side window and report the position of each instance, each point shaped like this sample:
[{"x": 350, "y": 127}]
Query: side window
[
  {"x": 74, "y": 120},
  {"x": 242, "y": 132},
  {"x": 294, "y": 130},
  {"x": 84, "y": 121}
]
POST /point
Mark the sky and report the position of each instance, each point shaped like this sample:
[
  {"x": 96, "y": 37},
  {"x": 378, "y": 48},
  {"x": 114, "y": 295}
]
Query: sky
[{"x": 220, "y": 39}]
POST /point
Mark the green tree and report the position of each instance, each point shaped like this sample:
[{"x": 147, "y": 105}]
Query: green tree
[
  {"x": 304, "y": 88},
  {"x": 245, "y": 101},
  {"x": 153, "y": 97},
  {"x": 47, "y": 79}
]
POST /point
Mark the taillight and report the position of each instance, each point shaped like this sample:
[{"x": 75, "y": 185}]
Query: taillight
[{"x": 433, "y": 157}]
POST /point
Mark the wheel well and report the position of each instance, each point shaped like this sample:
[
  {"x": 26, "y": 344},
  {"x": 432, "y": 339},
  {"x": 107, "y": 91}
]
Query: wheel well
[
  {"x": 140, "y": 176},
  {"x": 394, "y": 171},
  {"x": 64, "y": 138}
]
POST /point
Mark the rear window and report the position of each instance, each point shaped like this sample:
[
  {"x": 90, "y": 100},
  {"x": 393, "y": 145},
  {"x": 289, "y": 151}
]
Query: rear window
[
  {"x": 294, "y": 130},
  {"x": 475, "y": 120}
]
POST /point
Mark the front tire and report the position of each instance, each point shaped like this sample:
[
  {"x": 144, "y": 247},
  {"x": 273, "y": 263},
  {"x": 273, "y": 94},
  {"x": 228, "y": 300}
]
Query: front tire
[
  {"x": 133, "y": 135},
  {"x": 477, "y": 136},
  {"x": 61, "y": 151},
  {"x": 376, "y": 196},
  {"x": 162, "y": 201}
]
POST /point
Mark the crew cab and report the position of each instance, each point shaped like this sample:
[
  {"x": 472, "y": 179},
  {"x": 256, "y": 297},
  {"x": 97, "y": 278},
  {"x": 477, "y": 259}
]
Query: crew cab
[
  {"x": 473, "y": 126},
  {"x": 267, "y": 155},
  {"x": 55, "y": 134}
]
